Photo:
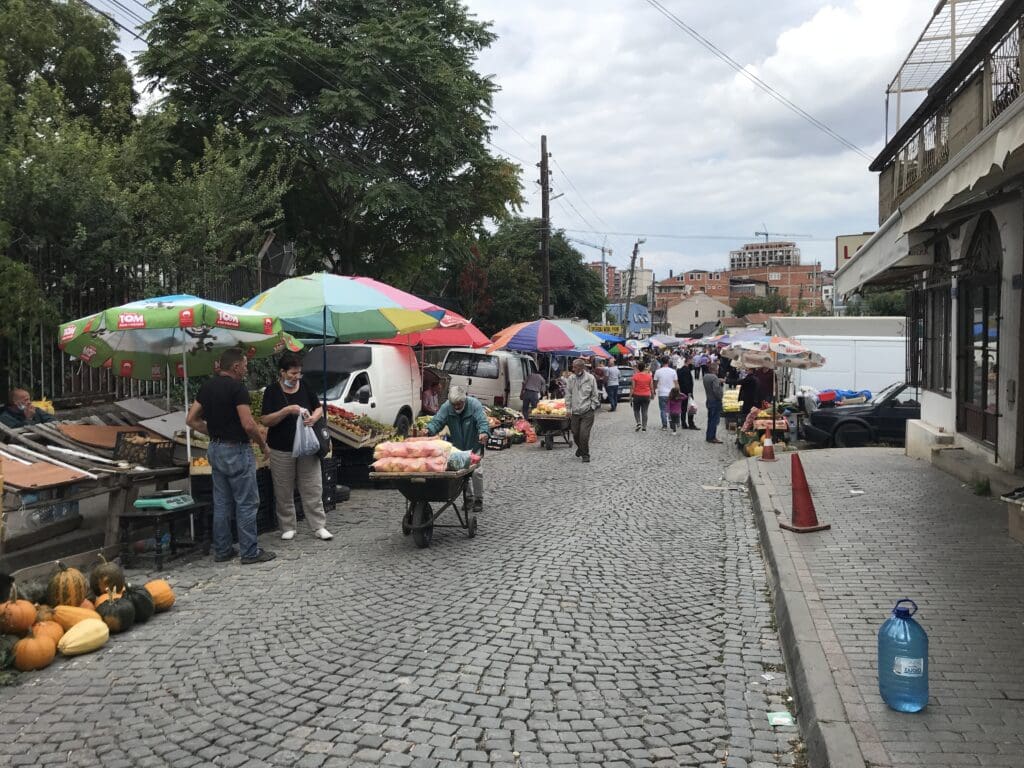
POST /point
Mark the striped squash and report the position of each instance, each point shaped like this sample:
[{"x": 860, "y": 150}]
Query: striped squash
[{"x": 68, "y": 586}]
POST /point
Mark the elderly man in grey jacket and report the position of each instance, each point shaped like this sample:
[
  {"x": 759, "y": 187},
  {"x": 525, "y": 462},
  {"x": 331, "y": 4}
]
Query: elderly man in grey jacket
[
  {"x": 582, "y": 399},
  {"x": 713, "y": 390}
]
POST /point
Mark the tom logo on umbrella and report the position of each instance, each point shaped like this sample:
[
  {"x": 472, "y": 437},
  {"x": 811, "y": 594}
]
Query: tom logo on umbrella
[
  {"x": 156, "y": 372},
  {"x": 88, "y": 353},
  {"x": 186, "y": 318},
  {"x": 179, "y": 370},
  {"x": 129, "y": 320},
  {"x": 67, "y": 334},
  {"x": 127, "y": 366},
  {"x": 227, "y": 320},
  {"x": 268, "y": 325}
]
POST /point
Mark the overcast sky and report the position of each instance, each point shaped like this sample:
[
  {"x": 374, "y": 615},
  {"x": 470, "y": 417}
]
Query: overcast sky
[{"x": 659, "y": 136}]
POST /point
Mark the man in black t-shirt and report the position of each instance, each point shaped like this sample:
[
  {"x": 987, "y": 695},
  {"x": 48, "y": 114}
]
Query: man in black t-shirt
[{"x": 221, "y": 410}]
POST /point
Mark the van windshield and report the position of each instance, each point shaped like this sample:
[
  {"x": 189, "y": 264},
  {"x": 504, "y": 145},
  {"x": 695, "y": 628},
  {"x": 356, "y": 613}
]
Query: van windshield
[
  {"x": 336, "y": 381},
  {"x": 471, "y": 364}
]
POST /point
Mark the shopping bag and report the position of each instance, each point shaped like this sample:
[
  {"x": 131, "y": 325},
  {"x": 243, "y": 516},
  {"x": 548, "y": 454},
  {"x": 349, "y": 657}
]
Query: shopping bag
[{"x": 306, "y": 442}]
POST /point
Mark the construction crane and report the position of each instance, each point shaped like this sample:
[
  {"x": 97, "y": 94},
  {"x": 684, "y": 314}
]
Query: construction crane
[
  {"x": 606, "y": 253},
  {"x": 766, "y": 234}
]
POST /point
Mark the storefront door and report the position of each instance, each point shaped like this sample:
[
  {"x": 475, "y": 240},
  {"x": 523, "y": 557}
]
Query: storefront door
[{"x": 978, "y": 337}]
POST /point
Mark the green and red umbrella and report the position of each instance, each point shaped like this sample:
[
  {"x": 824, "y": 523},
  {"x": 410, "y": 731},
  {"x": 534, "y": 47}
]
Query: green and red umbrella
[{"x": 182, "y": 333}]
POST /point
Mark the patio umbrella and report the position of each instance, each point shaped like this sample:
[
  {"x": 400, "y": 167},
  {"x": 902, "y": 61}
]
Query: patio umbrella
[
  {"x": 453, "y": 331},
  {"x": 148, "y": 338},
  {"x": 665, "y": 340},
  {"x": 609, "y": 337},
  {"x": 345, "y": 308},
  {"x": 546, "y": 336},
  {"x": 621, "y": 350}
]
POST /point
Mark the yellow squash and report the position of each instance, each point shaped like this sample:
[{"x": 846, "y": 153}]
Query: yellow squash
[{"x": 86, "y": 636}]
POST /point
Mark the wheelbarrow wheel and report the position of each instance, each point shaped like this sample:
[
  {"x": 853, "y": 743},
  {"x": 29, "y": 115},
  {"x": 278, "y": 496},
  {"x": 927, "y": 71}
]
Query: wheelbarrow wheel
[
  {"x": 549, "y": 441},
  {"x": 423, "y": 529},
  {"x": 407, "y": 522},
  {"x": 471, "y": 526}
]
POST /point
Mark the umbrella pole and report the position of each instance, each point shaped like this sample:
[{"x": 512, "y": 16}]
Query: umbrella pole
[
  {"x": 188, "y": 435},
  {"x": 167, "y": 386},
  {"x": 323, "y": 351}
]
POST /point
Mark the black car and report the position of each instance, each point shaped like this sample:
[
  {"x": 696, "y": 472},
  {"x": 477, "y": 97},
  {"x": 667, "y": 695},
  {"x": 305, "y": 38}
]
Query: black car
[{"x": 883, "y": 419}]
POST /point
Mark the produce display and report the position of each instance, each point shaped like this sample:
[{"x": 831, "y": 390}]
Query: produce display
[
  {"x": 421, "y": 454},
  {"x": 357, "y": 428},
  {"x": 256, "y": 403},
  {"x": 731, "y": 401},
  {"x": 31, "y": 635},
  {"x": 550, "y": 408}
]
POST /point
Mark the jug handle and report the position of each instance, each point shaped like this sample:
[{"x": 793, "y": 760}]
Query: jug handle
[{"x": 905, "y": 600}]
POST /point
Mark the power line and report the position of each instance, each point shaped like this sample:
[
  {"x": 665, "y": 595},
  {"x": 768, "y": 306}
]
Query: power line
[
  {"x": 718, "y": 52},
  {"x": 582, "y": 198},
  {"x": 674, "y": 236}
]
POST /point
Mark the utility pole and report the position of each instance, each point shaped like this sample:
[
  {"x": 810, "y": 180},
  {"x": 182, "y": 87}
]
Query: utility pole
[
  {"x": 629, "y": 291},
  {"x": 545, "y": 226}
]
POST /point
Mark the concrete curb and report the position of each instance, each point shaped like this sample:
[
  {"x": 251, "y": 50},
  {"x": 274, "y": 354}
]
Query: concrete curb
[{"x": 831, "y": 742}]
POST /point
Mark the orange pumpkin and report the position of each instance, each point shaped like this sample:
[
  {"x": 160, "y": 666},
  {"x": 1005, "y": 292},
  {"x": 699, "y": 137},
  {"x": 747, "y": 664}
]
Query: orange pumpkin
[
  {"x": 163, "y": 595},
  {"x": 67, "y": 616},
  {"x": 34, "y": 653},
  {"x": 88, "y": 604},
  {"x": 49, "y": 629},
  {"x": 16, "y": 616}
]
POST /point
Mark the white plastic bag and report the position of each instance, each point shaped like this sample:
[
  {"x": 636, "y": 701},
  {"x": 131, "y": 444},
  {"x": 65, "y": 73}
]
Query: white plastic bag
[{"x": 306, "y": 442}]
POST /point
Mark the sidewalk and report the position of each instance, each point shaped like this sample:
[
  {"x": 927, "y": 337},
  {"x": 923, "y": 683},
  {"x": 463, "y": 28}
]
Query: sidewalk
[{"x": 914, "y": 532}]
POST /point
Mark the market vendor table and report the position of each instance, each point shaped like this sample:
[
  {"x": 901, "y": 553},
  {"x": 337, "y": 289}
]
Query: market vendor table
[{"x": 163, "y": 521}]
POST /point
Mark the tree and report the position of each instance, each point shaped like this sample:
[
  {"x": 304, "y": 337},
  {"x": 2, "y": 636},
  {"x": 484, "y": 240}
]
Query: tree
[
  {"x": 878, "y": 303},
  {"x": 749, "y": 305},
  {"x": 375, "y": 105}
]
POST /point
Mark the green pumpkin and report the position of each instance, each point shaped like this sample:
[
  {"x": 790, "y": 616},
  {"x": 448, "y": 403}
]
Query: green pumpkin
[
  {"x": 106, "y": 575},
  {"x": 7, "y": 643},
  {"x": 117, "y": 613},
  {"x": 142, "y": 601},
  {"x": 33, "y": 590}
]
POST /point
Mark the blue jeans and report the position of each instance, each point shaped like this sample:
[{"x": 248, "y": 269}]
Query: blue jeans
[
  {"x": 714, "y": 414},
  {"x": 234, "y": 493},
  {"x": 613, "y": 396},
  {"x": 663, "y": 406}
]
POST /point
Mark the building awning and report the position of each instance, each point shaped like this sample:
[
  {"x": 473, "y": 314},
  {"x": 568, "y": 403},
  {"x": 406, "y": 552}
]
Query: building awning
[{"x": 888, "y": 248}]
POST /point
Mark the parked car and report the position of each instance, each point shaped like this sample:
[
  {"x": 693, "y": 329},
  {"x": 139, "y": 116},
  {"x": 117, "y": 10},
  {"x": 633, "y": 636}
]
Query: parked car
[
  {"x": 625, "y": 383},
  {"x": 494, "y": 378},
  {"x": 883, "y": 419}
]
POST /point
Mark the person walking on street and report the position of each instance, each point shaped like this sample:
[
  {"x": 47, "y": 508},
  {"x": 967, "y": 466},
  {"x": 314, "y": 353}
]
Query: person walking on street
[
  {"x": 676, "y": 403},
  {"x": 612, "y": 386},
  {"x": 642, "y": 389},
  {"x": 713, "y": 390},
  {"x": 286, "y": 402},
  {"x": 685, "y": 375},
  {"x": 221, "y": 410},
  {"x": 664, "y": 379},
  {"x": 582, "y": 399},
  {"x": 468, "y": 431},
  {"x": 532, "y": 389}
]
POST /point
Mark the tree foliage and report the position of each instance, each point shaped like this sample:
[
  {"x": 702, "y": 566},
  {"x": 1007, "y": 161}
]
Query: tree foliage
[
  {"x": 878, "y": 304},
  {"x": 749, "y": 305},
  {"x": 375, "y": 105}
]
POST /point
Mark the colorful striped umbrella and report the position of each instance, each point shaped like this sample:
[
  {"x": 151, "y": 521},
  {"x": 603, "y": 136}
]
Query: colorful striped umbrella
[
  {"x": 345, "y": 308},
  {"x": 547, "y": 336},
  {"x": 454, "y": 331},
  {"x": 621, "y": 350}
]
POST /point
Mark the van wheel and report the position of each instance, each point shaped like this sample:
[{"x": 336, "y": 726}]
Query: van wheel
[{"x": 402, "y": 424}]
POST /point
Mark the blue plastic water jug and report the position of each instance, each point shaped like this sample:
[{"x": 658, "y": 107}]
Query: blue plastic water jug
[{"x": 903, "y": 660}]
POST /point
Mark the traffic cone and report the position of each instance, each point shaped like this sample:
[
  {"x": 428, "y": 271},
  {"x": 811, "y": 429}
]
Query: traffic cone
[
  {"x": 805, "y": 518},
  {"x": 767, "y": 450}
]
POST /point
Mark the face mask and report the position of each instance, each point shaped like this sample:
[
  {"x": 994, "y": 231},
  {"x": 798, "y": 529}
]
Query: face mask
[
  {"x": 290, "y": 385},
  {"x": 22, "y": 406}
]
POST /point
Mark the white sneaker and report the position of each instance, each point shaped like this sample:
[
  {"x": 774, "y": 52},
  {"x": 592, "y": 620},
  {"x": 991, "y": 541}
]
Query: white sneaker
[
  {"x": 323, "y": 533},
  {"x": 288, "y": 535}
]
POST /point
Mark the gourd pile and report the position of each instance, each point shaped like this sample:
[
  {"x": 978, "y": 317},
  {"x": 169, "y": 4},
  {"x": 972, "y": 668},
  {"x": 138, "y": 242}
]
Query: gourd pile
[
  {"x": 74, "y": 615},
  {"x": 421, "y": 454},
  {"x": 550, "y": 408}
]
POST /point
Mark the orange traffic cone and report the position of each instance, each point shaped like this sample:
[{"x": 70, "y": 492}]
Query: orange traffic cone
[
  {"x": 805, "y": 518},
  {"x": 768, "y": 449}
]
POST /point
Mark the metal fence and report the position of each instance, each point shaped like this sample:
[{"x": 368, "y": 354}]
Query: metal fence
[{"x": 34, "y": 361}]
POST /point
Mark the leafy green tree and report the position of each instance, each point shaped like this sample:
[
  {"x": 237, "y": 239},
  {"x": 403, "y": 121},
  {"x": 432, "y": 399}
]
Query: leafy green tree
[
  {"x": 376, "y": 106},
  {"x": 749, "y": 305},
  {"x": 878, "y": 303}
]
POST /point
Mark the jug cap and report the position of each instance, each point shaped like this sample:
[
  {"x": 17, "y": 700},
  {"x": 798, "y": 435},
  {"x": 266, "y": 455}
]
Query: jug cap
[{"x": 901, "y": 611}]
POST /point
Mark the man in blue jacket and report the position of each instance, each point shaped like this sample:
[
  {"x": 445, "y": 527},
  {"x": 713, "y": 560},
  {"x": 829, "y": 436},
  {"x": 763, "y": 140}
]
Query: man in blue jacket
[{"x": 468, "y": 431}]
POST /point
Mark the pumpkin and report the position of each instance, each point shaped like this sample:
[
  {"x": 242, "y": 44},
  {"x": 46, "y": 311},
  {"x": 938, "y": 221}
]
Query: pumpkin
[
  {"x": 86, "y": 636},
  {"x": 105, "y": 576},
  {"x": 49, "y": 628},
  {"x": 68, "y": 616},
  {"x": 117, "y": 612},
  {"x": 106, "y": 596},
  {"x": 7, "y": 643},
  {"x": 34, "y": 653},
  {"x": 14, "y": 614},
  {"x": 88, "y": 604},
  {"x": 67, "y": 586},
  {"x": 142, "y": 601},
  {"x": 163, "y": 595}
]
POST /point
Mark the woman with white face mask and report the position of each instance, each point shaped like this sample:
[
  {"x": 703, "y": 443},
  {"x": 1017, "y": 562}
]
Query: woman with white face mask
[{"x": 285, "y": 402}]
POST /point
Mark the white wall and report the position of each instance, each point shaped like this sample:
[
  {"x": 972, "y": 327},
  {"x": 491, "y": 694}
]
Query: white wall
[{"x": 854, "y": 362}]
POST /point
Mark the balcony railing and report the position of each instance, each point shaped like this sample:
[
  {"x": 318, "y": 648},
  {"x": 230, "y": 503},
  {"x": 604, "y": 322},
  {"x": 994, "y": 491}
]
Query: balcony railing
[{"x": 985, "y": 92}]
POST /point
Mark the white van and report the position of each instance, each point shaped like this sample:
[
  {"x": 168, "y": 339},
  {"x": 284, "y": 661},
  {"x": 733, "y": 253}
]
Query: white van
[
  {"x": 494, "y": 378},
  {"x": 381, "y": 381}
]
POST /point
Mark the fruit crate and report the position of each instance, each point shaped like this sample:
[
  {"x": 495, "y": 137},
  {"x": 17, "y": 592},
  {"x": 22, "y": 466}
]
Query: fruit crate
[{"x": 144, "y": 449}]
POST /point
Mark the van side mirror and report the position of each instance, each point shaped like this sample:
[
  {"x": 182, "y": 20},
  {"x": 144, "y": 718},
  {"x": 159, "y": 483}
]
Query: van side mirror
[{"x": 363, "y": 395}]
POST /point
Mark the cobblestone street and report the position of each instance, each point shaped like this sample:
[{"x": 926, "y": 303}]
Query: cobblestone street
[{"x": 611, "y": 613}]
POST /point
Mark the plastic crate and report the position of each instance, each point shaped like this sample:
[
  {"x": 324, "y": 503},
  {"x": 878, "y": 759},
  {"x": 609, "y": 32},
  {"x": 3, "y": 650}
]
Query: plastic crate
[{"x": 141, "y": 448}]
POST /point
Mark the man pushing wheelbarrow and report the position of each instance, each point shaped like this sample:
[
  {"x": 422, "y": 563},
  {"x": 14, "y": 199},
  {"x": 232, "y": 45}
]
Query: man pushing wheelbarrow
[{"x": 468, "y": 431}]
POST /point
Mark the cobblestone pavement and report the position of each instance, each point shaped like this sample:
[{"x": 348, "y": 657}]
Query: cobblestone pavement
[
  {"x": 915, "y": 532},
  {"x": 611, "y": 613}
]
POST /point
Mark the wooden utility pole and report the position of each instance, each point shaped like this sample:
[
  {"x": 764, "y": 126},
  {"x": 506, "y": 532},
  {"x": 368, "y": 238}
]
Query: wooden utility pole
[
  {"x": 629, "y": 290},
  {"x": 545, "y": 226}
]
